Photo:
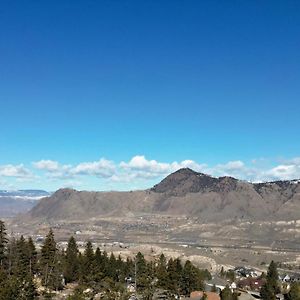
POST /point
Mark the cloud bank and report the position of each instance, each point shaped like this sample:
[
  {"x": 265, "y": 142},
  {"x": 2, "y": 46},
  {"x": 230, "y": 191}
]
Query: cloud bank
[{"x": 142, "y": 170}]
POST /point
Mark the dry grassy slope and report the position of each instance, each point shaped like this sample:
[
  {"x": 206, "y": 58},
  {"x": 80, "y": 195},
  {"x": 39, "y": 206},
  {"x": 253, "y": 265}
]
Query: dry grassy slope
[
  {"x": 184, "y": 192},
  {"x": 67, "y": 203}
]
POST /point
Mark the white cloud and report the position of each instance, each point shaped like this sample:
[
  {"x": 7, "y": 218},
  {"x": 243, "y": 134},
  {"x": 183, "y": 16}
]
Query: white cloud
[
  {"x": 57, "y": 171},
  {"x": 152, "y": 168},
  {"x": 47, "y": 165},
  {"x": 54, "y": 170},
  {"x": 72, "y": 184},
  {"x": 18, "y": 171},
  {"x": 258, "y": 173},
  {"x": 140, "y": 171},
  {"x": 234, "y": 165},
  {"x": 284, "y": 172},
  {"x": 139, "y": 162},
  {"x": 295, "y": 160},
  {"x": 102, "y": 168},
  {"x": 231, "y": 168},
  {"x": 5, "y": 185},
  {"x": 122, "y": 177}
]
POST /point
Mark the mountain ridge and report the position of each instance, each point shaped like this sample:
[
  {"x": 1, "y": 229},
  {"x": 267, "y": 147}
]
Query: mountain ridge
[{"x": 184, "y": 192}]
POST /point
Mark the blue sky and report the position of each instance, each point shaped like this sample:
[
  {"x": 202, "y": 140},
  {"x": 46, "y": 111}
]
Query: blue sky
[{"x": 116, "y": 94}]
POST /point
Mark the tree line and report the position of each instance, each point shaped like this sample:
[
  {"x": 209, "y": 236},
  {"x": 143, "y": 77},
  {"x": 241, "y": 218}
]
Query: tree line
[{"x": 28, "y": 274}]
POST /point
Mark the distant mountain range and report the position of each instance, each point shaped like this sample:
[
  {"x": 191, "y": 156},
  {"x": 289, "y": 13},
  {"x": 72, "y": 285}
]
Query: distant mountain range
[
  {"x": 15, "y": 202},
  {"x": 184, "y": 192}
]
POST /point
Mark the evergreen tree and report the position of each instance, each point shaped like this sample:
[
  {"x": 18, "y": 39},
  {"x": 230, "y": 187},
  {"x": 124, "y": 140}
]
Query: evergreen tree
[
  {"x": 22, "y": 263},
  {"x": 3, "y": 242},
  {"x": 142, "y": 274},
  {"x": 11, "y": 255},
  {"x": 99, "y": 265},
  {"x": 77, "y": 295},
  {"x": 226, "y": 294},
  {"x": 120, "y": 269},
  {"x": 191, "y": 279},
  {"x": 174, "y": 269},
  {"x": 28, "y": 290},
  {"x": 294, "y": 293},
  {"x": 178, "y": 267},
  {"x": 128, "y": 268},
  {"x": 50, "y": 266},
  {"x": 105, "y": 263},
  {"x": 161, "y": 273},
  {"x": 32, "y": 255},
  {"x": 267, "y": 292},
  {"x": 272, "y": 276},
  {"x": 87, "y": 264},
  {"x": 10, "y": 288},
  {"x": 271, "y": 286},
  {"x": 235, "y": 296},
  {"x": 88, "y": 254},
  {"x": 98, "y": 257},
  {"x": 71, "y": 265},
  {"x": 112, "y": 270},
  {"x": 230, "y": 275}
]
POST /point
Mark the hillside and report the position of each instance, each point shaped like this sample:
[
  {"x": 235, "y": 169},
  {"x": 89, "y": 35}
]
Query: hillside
[{"x": 184, "y": 192}]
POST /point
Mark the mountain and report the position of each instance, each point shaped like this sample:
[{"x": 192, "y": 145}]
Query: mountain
[
  {"x": 184, "y": 192},
  {"x": 15, "y": 202}
]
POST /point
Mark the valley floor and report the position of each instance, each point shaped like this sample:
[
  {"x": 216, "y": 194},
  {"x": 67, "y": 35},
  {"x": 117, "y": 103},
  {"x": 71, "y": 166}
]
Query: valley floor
[{"x": 209, "y": 245}]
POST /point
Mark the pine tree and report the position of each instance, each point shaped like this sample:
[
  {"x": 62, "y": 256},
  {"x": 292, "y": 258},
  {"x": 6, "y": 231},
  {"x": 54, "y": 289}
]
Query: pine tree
[
  {"x": 112, "y": 267},
  {"x": 191, "y": 279},
  {"x": 10, "y": 289},
  {"x": 89, "y": 253},
  {"x": 105, "y": 263},
  {"x": 161, "y": 273},
  {"x": 271, "y": 286},
  {"x": 267, "y": 292},
  {"x": 11, "y": 255},
  {"x": 87, "y": 263},
  {"x": 28, "y": 290},
  {"x": 272, "y": 276},
  {"x": 77, "y": 295},
  {"x": 71, "y": 266},
  {"x": 50, "y": 266},
  {"x": 22, "y": 262},
  {"x": 120, "y": 269},
  {"x": 226, "y": 294},
  {"x": 294, "y": 293},
  {"x": 99, "y": 265},
  {"x": 98, "y": 258},
  {"x": 3, "y": 281},
  {"x": 174, "y": 269},
  {"x": 128, "y": 268},
  {"x": 32, "y": 255},
  {"x": 141, "y": 270},
  {"x": 3, "y": 243},
  {"x": 230, "y": 275}
]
